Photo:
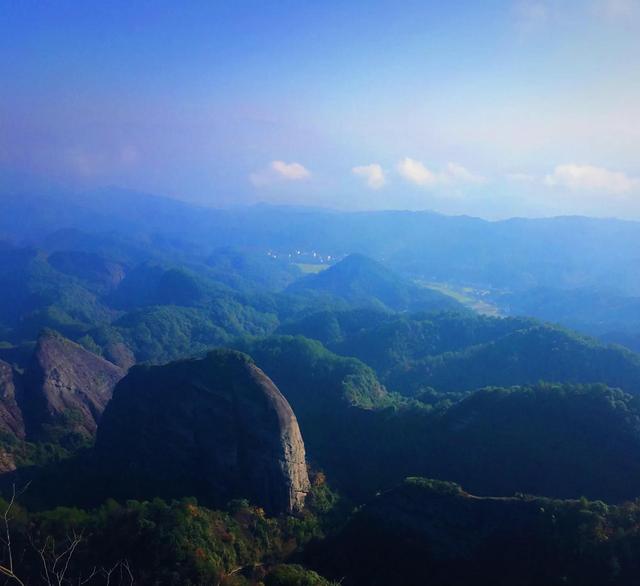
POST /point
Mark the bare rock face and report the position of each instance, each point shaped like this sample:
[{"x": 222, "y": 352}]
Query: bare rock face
[
  {"x": 66, "y": 385},
  {"x": 216, "y": 428},
  {"x": 11, "y": 421},
  {"x": 7, "y": 461}
]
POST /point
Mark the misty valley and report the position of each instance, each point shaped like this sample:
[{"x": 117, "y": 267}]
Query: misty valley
[
  {"x": 292, "y": 396},
  {"x": 332, "y": 293}
]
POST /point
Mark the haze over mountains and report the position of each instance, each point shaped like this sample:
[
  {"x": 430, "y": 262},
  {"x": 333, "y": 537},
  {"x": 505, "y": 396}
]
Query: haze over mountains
[
  {"x": 320, "y": 293},
  {"x": 579, "y": 272},
  {"x": 285, "y": 365}
]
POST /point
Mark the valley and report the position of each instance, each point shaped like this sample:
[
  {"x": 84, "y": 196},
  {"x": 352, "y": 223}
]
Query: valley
[{"x": 282, "y": 420}]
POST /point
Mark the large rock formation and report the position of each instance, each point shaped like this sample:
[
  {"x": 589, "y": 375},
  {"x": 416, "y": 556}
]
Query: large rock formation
[
  {"x": 216, "y": 428},
  {"x": 67, "y": 386}
]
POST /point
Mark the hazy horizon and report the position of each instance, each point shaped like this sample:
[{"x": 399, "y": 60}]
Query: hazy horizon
[
  {"x": 521, "y": 108},
  {"x": 320, "y": 293},
  {"x": 29, "y": 188}
]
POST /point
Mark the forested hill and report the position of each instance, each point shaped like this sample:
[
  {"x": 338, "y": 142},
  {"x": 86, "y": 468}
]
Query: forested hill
[
  {"x": 361, "y": 281},
  {"x": 290, "y": 367},
  {"x": 433, "y": 532},
  {"x": 585, "y": 277},
  {"x": 135, "y": 306},
  {"x": 462, "y": 352}
]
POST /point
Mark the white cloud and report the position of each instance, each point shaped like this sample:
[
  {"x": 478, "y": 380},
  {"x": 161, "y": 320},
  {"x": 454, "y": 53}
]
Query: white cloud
[
  {"x": 290, "y": 171},
  {"x": 415, "y": 172},
  {"x": 591, "y": 178},
  {"x": 453, "y": 174},
  {"x": 373, "y": 174},
  {"x": 279, "y": 171}
]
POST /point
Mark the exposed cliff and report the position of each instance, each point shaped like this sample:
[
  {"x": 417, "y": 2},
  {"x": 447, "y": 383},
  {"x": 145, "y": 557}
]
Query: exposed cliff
[
  {"x": 10, "y": 415},
  {"x": 65, "y": 385},
  {"x": 216, "y": 428},
  {"x": 11, "y": 421}
]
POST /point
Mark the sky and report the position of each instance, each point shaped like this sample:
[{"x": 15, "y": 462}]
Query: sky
[{"x": 488, "y": 108}]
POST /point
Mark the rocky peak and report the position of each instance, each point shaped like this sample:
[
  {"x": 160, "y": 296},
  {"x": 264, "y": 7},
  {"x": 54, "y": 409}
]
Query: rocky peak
[
  {"x": 217, "y": 428},
  {"x": 66, "y": 385},
  {"x": 10, "y": 415}
]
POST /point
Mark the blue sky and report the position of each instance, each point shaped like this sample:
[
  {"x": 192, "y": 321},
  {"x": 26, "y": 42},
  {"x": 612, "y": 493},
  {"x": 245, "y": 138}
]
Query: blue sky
[{"x": 488, "y": 108}]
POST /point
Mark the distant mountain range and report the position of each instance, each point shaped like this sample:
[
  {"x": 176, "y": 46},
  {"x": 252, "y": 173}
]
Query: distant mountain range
[
  {"x": 580, "y": 272},
  {"x": 322, "y": 380},
  {"x": 565, "y": 252}
]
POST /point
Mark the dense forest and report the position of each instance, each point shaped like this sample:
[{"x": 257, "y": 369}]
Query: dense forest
[
  {"x": 319, "y": 293},
  {"x": 291, "y": 407}
]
